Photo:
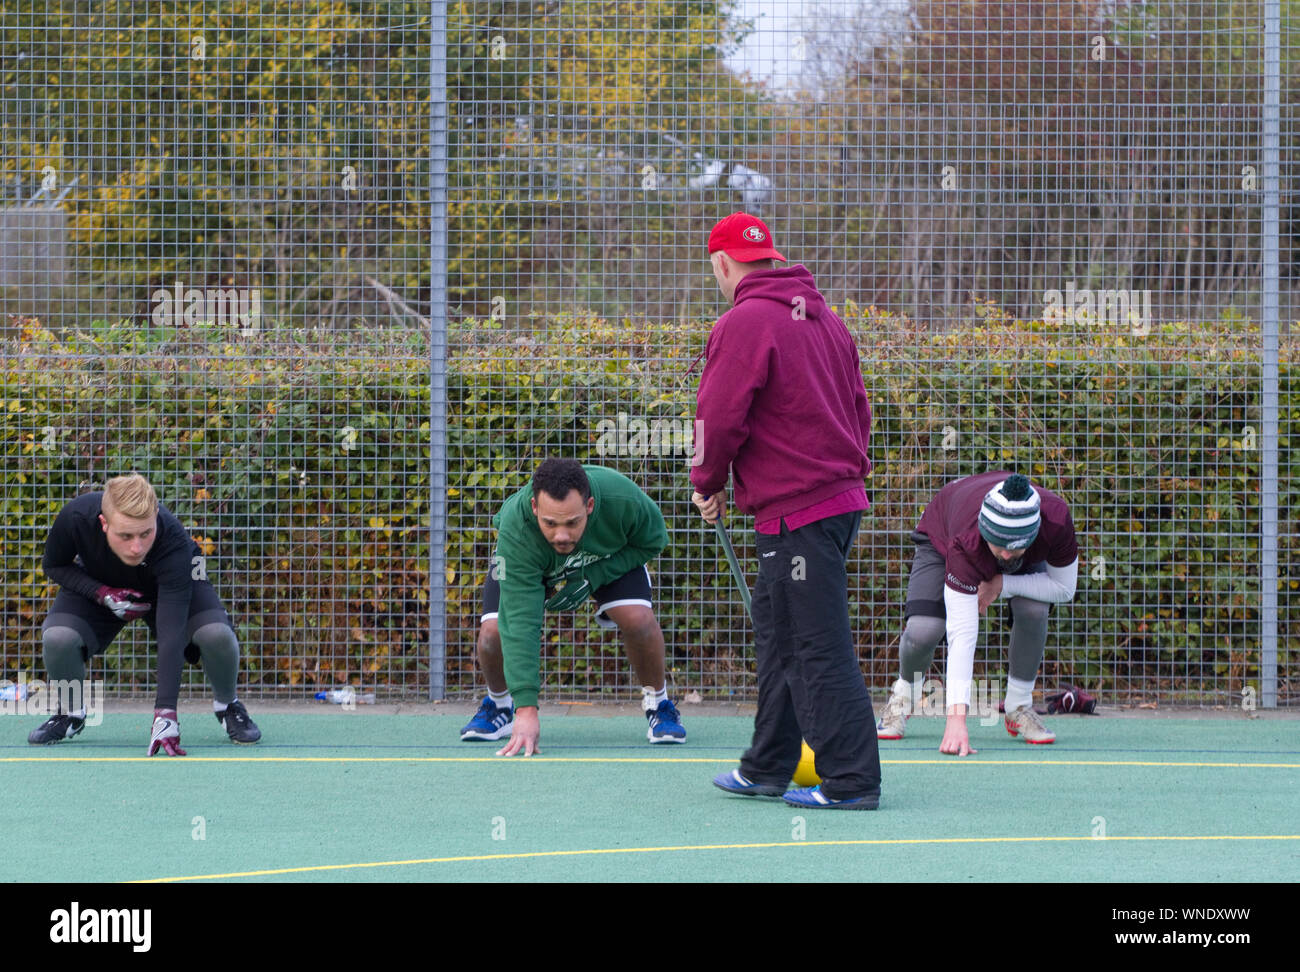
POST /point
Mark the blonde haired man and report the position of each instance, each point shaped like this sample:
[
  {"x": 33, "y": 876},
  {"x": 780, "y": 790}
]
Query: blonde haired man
[{"x": 120, "y": 555}]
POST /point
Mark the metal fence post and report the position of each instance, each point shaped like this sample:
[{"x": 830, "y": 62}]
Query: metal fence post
[
  {"x": 1269, "y": 315},
  {"x": 438, "y": 350}
]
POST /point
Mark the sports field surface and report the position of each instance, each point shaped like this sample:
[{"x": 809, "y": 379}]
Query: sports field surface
[{"x": 387, "y": 794}]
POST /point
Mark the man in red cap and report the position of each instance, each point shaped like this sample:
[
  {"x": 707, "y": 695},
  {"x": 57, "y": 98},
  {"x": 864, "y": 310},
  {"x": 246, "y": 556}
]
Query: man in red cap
[{"x": 782, "y": 407}]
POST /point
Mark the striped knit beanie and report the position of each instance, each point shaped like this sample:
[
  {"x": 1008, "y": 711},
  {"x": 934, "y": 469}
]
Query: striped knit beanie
[{"x": 1010, "y": 515}]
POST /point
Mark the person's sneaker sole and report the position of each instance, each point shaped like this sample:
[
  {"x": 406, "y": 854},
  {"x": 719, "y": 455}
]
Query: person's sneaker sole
[
  {"x": 1032, "y": 742},
  {"x": 650, "y": 734},
  {"x": 475, "y": 736},
  {"x": 881, "y": 734},
  {"x": 52, "y": 742}
]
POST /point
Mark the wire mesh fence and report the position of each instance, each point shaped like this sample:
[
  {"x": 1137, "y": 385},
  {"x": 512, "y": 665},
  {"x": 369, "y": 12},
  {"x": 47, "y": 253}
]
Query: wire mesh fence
[
  {"x": 293, "y": 261},
  {"x": 239, "y": 198}
]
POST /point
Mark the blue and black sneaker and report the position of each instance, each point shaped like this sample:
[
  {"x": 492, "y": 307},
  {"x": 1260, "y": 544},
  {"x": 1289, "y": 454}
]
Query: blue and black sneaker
[
  {"x": 489, "y": 722},
  {"x": 734, "y": 782},
  {"x": 665, "y": 724}
]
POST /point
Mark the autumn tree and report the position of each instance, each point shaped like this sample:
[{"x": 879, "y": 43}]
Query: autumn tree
[
  {"x": 258, "y": 143},
  {"x": 575, "y": 129}
]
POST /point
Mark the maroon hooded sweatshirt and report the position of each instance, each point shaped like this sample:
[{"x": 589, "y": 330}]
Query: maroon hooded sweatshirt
[{"x": 781, "y": 400}]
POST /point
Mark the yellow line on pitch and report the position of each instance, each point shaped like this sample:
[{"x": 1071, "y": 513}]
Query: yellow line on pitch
[
  {"x": 950, "y": 761},
  {"x": 478, "y": 858},
  {"x": 364, "y": 759}
]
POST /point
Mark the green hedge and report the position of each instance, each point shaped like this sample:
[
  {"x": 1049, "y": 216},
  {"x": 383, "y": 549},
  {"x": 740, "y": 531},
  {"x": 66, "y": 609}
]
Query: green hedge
[
  {"x": 320, "y": 540},
  {"x": 317, "y": 535}
]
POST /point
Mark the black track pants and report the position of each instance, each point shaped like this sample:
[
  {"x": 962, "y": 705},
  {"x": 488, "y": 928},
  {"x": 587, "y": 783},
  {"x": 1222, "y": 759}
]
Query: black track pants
[{"x": 809, "y": 682}]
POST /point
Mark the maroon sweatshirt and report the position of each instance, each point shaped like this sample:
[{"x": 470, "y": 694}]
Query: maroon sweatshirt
[
  {"x": 781, "y": 400},
  {"x": 951, "y": 521}
]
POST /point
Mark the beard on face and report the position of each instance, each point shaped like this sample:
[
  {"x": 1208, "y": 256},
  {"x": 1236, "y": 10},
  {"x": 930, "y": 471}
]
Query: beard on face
[{"x": 1010, "y": 566}]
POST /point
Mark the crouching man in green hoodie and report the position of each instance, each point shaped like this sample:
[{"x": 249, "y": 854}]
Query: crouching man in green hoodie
[{"x": 574, "y": 533}]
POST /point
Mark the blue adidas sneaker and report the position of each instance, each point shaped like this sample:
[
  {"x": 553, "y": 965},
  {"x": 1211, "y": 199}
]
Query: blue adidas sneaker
[
  {"x": 812, "y": 798},
  {"x": 489, "y": 722},
  {"x": 733, "y": 782},
  {"x": 665, "y": 724}
]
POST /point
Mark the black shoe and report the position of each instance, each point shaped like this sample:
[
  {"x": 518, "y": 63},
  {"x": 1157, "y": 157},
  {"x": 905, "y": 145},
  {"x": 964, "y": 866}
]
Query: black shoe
[
  {"x": 239, "y": 727},
  {"x": 56, "y": 729}
]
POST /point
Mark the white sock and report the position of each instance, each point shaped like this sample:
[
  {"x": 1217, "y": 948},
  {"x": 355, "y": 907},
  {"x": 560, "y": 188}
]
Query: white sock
[
  {"x": 910, "y": 690},
  {"x": 650, "y": 698},
  {"x": 502, "y": 700},
  {"x": 1019, "y": 693},
  {"x": 220, "y": 707},
  {"x": 79, "y": 714}
]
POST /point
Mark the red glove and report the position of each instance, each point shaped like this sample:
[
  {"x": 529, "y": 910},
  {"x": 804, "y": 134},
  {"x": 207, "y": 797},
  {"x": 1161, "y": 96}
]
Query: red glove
[
  {"x": 120, "y": 600},
  {"x": 166, "y": 733}
]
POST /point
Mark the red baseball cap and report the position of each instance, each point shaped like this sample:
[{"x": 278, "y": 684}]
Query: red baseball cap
[{"x": 744, "y": 237}]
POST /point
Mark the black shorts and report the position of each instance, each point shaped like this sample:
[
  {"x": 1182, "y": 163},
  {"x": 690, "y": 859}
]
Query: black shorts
[
  {"x": 98, "y": 626},
  {"x": 632, "y": 588}
]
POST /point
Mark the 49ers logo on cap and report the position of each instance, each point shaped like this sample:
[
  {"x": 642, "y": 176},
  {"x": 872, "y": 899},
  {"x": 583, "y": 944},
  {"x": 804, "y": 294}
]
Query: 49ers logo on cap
[{"x": 743, "y": 237}]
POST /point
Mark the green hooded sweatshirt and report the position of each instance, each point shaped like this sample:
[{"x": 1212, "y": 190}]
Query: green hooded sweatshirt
[{"x": 624, "y": 531}]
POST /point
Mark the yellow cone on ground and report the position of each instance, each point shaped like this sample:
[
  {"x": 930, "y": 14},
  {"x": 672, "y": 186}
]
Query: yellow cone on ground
[{"x": 805, "y": 774}]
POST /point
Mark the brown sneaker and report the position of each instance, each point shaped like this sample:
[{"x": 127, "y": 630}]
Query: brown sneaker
[{"x": 1025, "y": 723}]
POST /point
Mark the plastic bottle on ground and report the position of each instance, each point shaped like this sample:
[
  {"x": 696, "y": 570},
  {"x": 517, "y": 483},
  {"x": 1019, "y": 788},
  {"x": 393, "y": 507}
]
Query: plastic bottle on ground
[{"x": 346, "y": 695}]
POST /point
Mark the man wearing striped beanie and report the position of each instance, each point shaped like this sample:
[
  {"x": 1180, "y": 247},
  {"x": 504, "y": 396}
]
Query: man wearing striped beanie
[{"x": 983, "y": 538}]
